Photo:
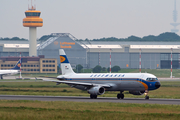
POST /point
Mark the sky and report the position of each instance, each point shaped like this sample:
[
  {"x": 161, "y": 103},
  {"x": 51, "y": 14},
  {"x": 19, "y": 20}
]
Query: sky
[{"x": 92, "y": 19}]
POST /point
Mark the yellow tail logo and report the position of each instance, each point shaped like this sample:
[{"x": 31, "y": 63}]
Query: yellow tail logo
[{"x": 62, "y": 59}]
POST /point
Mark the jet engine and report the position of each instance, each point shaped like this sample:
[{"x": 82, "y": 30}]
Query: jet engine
[
  {"x": 137, "y": 92},
  {"x": 97, "y": 90}
]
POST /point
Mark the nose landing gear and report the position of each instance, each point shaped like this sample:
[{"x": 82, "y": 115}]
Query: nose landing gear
[{"x": 146, "y": 95}]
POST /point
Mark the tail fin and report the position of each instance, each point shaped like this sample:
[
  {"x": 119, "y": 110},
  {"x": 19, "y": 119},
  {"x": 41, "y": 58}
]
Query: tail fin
[
  {"x": 65, "y": 65},
  {"x": 17, "y": 66}
]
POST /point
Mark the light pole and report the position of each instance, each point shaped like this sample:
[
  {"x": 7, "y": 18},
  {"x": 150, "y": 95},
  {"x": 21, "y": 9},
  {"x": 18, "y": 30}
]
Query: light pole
[
  {"x": 110, "y": 62},
  {"x": 171, "y": 63},
  {"x": 99, "y": 54},
  {"x": 140, "y": 60}
]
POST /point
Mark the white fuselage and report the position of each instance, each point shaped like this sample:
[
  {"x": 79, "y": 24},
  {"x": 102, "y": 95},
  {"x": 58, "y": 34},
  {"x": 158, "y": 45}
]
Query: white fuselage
[
  {"x": 9, "y": 72},
  {"x": 118, "y": 81}
]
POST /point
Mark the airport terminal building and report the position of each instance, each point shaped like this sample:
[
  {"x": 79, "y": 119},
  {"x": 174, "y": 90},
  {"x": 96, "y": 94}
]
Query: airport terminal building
[{"x": 154, "y": 55}]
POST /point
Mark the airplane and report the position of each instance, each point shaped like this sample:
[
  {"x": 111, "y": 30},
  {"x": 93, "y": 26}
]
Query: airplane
[
  {"x": 97, "y": 83},
  {"x": 12, "y": 71}
]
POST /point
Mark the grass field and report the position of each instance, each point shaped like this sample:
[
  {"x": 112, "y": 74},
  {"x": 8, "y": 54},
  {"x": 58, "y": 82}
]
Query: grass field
[
  {"x": 62, "y": 110},
  {"x": 59, "y": 110}
]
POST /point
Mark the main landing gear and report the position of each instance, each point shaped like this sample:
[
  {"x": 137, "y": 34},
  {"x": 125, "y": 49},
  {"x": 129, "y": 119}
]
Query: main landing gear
[
  {"x": 120, "y": 95},
  {"x": 146, "y": 95},
  {"x": 93, "y": 96},
  {"x": 1, "y": 77}
]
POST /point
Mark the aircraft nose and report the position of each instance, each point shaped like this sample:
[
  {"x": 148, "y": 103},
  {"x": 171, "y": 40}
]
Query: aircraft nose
[{"x": 157, "y": 84}]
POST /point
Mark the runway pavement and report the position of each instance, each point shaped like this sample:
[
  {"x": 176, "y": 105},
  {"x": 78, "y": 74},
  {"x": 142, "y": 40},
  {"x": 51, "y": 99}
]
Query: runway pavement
[{"x": 87, "y": 99}]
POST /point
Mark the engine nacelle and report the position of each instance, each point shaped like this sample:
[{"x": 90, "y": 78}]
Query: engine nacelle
[
  {"x": 97, "y": 90},
  {"x": 137, "y": 92}
]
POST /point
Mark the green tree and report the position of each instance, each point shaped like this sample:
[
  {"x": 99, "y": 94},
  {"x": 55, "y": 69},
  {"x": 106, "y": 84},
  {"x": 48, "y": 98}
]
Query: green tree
[
  {"x": 116, "y": 68},
  {"x": 103, "y": 69},
  {"x": 79, "y": 67},
  {"x": 108, "y": 69},
  {"x": 97, "y": 69}
]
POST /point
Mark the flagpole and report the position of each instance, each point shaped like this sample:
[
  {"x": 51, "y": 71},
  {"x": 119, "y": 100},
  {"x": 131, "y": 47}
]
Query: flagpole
[{"x": 20, "y": 66}]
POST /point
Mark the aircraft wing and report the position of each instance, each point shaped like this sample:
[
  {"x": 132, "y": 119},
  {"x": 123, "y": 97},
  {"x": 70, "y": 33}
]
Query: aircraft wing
[{"x": 78, "y": 83}]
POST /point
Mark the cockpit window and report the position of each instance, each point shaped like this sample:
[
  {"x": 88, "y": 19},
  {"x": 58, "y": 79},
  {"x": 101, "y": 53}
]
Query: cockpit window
[{"x": 152, "y": 79}]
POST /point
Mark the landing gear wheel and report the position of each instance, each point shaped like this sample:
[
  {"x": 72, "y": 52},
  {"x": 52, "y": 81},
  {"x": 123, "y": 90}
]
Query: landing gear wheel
[
  {"x": 120, "y": 96},
  {"x": 93, "y": 96},
  {"x": 147, "y": 97}
]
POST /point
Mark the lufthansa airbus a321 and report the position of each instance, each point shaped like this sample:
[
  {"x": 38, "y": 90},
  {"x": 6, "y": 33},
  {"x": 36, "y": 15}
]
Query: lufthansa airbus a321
[
  {"x": 12, "y": 71},
  {"x": 97, "y": 83}
]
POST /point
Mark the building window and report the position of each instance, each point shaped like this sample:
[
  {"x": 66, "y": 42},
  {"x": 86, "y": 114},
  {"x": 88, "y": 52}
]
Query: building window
[
  {"x": 53, "y": 69},
  {"x": 46, "y": 69},
  {"x": 46, "y": 61},
  {"x": 49, "y": 69},
  {"x": 53, "y": 61},
  {"x": 12, "y": 65},
  {"x": 43, "y": 69},
  {"x": 43, "y": 61},
  {"x": 31, "y": 65},
  {"x": 34, "y": 65},
  {"x": 37, "y": 65},
  {"x": 24, "y": 65},
  {"x": 49, "y": 61},
  {"x": 5, "y": 65},
  {"x": 34, "y": 69},
  {"x": 53, "y": 65},
  {"x": 50, "y": 66},
  {"x": 46, "y": 65},
  {"x": 28, "y": 65},
  {"x": 37, "y": 69},
  {"x": 1, "y": 65}
]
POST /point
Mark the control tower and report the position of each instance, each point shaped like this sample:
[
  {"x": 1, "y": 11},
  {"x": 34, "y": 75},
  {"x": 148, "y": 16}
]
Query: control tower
[{"x": 32, "y": 21}]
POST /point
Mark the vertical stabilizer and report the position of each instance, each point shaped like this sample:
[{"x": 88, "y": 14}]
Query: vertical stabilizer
[
  {"x": 17, "y": 66},
  {"x": 65, "y": 65}
]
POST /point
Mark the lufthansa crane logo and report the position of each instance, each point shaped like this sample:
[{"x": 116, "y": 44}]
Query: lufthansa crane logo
[
  {"x": 56, "y": 42},
  {"x": 19, "y": 64},
  {"x": 62, "y": 59}
]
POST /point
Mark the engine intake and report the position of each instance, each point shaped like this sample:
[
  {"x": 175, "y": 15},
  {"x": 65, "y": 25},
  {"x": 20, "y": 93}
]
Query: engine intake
[
  {"x": 137, "y": 92},
  {"x": 97, "y": 90}
]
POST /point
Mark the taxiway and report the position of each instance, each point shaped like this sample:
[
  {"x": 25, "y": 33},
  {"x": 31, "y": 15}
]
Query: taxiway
[{"x": 87, "y": 99}]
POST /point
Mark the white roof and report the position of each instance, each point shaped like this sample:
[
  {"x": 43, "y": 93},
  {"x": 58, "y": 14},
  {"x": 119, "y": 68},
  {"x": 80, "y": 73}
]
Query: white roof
[
  {"x": 17, "y": 45},
  {"x": 155, "y": 46},
  {"x": 103, "y": 46}
]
